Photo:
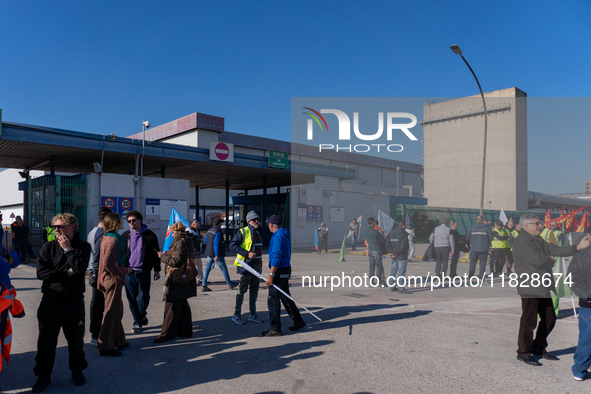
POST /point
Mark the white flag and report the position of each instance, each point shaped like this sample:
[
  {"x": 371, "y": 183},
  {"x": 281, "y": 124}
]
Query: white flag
[{"x": 503, "y": 217}]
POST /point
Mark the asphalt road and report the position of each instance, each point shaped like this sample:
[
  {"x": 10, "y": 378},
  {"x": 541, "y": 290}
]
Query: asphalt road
[{"x": 371, "y": 340}]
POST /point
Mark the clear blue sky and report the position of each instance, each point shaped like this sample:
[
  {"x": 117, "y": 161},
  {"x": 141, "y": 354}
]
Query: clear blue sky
[{"x": 104, "y": 67}]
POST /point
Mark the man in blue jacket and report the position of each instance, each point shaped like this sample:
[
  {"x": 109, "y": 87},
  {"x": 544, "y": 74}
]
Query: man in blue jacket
[
  {"x": 480, "y": 237},
  {"x": 279, "y": 263}
]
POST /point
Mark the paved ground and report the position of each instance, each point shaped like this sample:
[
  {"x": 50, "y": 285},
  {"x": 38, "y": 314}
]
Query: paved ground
[{"x": 371, "y": 340}]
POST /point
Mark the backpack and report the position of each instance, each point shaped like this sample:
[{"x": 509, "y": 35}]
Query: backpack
[{"x": 399, "y": 243}]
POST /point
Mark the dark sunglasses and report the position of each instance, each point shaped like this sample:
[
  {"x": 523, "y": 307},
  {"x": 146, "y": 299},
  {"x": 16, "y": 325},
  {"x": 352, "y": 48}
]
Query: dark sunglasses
[
  {"x": 57, "y": 227},
  {"x": 132, "y": 221}
]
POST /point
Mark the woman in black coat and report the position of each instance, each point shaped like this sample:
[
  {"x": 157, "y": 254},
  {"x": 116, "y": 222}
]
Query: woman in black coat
[{"x": 177, "y": 312}]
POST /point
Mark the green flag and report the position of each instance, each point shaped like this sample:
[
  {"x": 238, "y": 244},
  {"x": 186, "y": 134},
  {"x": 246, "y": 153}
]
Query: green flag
[
  {"x": 562, "y": 288},
  {"x": 342, "y": 254}
]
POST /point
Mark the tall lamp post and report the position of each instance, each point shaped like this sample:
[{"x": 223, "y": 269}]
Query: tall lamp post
[{"x": 456, "y": 49}]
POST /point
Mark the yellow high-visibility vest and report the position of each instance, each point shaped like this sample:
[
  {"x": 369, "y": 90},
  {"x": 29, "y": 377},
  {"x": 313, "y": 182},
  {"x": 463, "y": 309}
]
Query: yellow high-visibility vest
[
  {"x": 246, "y": 245},
  {"x": 498, "y": 244},
  {"x": 50, "y": 233}
]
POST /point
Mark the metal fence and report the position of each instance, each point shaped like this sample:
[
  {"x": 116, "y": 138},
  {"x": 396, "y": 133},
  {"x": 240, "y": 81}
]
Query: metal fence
[{"x": 424, "y": 219}]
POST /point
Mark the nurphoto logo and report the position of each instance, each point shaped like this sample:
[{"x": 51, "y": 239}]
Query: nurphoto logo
[{"x": 392, "y": 126}]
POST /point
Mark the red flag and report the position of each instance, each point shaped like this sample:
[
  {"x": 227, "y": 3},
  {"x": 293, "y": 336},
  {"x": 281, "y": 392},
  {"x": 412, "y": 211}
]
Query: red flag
[
  {"x": 575, "y": 221},
  {"x": 571, "y": 220},
  {"x": 583, "y": 224},
  {"x": 548, "y": 218},
  {"x": 568, "y": 217}
]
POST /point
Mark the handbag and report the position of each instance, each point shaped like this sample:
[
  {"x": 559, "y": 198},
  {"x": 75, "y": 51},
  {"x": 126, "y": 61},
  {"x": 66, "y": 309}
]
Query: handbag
[{"x": 183, "y": 274}]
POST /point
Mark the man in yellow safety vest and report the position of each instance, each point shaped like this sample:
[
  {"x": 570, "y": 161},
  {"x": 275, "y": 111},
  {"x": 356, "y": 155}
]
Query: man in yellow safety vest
[{"x": 248, "y": 245}]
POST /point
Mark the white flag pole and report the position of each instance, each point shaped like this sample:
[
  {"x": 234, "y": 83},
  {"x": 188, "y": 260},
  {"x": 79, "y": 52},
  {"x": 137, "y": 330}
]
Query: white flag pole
[{"x": 258, "y": 275}]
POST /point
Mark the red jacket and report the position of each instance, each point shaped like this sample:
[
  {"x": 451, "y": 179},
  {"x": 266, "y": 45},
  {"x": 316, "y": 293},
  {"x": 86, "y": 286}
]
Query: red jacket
[{"x": 8, "y": 303}]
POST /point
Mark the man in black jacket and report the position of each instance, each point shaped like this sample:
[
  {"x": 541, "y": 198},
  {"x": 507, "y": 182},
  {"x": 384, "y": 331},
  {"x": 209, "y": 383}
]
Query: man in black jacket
[
  {"x": 62, "y": 267},
  {"x": 141, "y": 248},
  {"x": 533, "y": 260},
  {"x": 397, "y": 245},
  {"x": 580, "y": 275}
]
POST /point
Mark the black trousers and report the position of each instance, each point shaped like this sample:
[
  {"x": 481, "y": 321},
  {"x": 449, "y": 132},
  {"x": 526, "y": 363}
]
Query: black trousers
[
  {"x": 509, "y": 262},
  {"x": 57, "y": 313},
  {"x": 281, "y": 280},
  {"x": 321, "y": 243},
  {"x": 500, "y": 254},
  {"x": 177, "y": 319},
  {"x": 531, "y": 307},
  {"x": 97, "y": 308}
]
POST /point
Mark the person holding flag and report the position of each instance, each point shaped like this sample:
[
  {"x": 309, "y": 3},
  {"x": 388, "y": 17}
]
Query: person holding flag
[
  {"x": 532, "y": 257},
  {"x": 354, "y": 233},
  {"x": 279, "y": 263}
]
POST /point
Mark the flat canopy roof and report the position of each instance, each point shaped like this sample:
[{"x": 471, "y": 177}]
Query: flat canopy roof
[{"x": 34, "y": 147}]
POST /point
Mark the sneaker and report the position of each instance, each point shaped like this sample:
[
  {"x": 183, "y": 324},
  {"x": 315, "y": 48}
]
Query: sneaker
[
  {"x": 271, "y": 333},
  {"x": 145, "y": 321},
  {"x": 297, "y": 325},
  {"x": 581, "y": 378},
  {"x": 232, "y": 286},
  {"x": 205, "y": 289},
  {"x": 253, "y": 318},
  {"x": 110, "y": 353},
  {"x": 403, "y": 291},
  {"x": 238, "y": 320},
  {"x": 93, "y": 341},
  {"x": 393, "y": 288},
  {"x": 136, "y": 328},
  {"x": 42, "y": 382},
  {"x": 78, "y": 378}
]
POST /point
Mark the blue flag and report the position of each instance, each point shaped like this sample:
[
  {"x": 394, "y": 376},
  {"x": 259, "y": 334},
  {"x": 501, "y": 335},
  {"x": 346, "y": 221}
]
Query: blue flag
[
  {"x": 175, "y": 217},
  {"x": 315, "y": 235}
]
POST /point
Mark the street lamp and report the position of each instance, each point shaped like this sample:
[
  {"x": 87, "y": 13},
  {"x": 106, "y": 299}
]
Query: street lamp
[
  {"x": 456, "y": 49},
  {"x": 145, "y": 125}
]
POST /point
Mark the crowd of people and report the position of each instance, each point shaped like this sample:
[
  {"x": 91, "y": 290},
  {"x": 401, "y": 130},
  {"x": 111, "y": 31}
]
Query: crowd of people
[
  {"x": 527, "y": 249},
  {"x": 117, "y": 261}
]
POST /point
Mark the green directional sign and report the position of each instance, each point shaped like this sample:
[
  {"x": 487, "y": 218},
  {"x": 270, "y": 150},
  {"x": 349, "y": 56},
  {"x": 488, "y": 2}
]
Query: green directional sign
[{"x": 278, "y": 159}]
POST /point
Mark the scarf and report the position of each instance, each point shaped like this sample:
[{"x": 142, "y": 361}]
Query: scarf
[{"x": 120, "y": 247}]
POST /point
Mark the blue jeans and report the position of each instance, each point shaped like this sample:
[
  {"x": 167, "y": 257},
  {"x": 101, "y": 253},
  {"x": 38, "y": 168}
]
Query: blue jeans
[
  {"x": 400, "y": 266},
  {"x": 583, "y": 353},
  {"x": 353, "y": 242},
  {"x": 222, "y": 264},
  {"x": 375, "y": 265},
  {"x": 137, "y": 289},
  {"x": 474, "y": 258}
]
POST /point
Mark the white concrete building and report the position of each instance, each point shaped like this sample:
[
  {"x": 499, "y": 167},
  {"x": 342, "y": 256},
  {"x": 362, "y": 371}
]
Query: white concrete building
[{"x": 453, "y": 138}]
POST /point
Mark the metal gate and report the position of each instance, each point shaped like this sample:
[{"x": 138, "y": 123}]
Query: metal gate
[{"x": 50, "y": 194}]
